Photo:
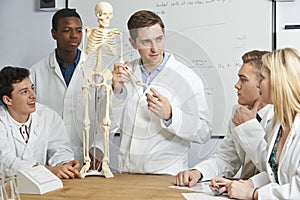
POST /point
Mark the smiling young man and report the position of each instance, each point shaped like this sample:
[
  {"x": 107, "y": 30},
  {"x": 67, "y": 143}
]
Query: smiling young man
[
  {"x": 157, "y": 122},
  {"x": 58, "y": 77},
  {"x": 231, "y": 155},
  {"x": 31, "y": 133}
]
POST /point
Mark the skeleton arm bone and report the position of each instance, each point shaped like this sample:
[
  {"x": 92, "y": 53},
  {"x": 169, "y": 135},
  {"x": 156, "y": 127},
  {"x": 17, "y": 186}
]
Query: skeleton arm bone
[{"x": 135, "y": 79}]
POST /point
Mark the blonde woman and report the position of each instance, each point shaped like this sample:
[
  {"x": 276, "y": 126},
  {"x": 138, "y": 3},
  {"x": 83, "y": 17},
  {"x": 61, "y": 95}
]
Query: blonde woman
[{"x": 279, "y": 85}]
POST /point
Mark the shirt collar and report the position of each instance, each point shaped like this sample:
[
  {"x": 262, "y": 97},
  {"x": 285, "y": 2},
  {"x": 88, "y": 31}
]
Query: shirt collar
[
  {"x": 18, "y": 124},
  {"x": 264, "y": 110},
  {"x": 75, "y": 62},
  {"x": 160, "y": 67}
]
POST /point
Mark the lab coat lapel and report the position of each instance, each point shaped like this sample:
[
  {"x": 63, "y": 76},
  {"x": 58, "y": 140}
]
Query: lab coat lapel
[
  {"x": 146, "y": 124},
  {"x": 33, "y": 136},
  {"x": 35, "y": 131},
  {"x": 77, "y": 72},
  {"x": 16, "y": 134},
  {"x": 270, "y": 147},
  {"x": 289, "y": 140},
  {"x": 266, "y": 114},
  {"x": 54, "y": 65},
  {"x": 141, "y": 118}
]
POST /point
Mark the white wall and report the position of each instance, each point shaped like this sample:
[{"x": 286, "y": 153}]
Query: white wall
[
  {"x": 25, "y": 33},
  {"x": 25, "y": 30}
]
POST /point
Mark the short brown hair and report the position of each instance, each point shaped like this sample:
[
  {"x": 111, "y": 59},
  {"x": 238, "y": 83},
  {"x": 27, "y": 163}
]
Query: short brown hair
[
  {"x": 254, "y": 58},
  {"x": 141, "y": 19}
]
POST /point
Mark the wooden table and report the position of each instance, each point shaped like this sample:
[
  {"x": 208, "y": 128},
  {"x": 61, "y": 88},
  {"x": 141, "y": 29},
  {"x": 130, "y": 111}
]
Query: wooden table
[{"x": 122, "y": 186}]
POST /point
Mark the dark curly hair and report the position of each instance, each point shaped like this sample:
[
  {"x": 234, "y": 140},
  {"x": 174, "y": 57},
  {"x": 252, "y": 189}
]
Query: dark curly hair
[{"x": 11, "y": 75}]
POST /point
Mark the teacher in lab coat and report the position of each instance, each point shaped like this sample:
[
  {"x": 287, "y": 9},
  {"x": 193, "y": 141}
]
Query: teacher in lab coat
[
  {"x": 280, "y": 86},
  {"x": 30, "y": 133},
  {"x": 159, "y": 102}
]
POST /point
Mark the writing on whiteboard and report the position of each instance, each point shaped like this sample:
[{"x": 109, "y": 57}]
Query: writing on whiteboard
[
  {"x": 189, "y": 3},
  {"x": 229, "y": 65},
  {"x": 172, "y": 4},
  {"x": 240, "y": 41},
  {"x": 209, "y": 91},
  {"x": 201, "y": 63}
]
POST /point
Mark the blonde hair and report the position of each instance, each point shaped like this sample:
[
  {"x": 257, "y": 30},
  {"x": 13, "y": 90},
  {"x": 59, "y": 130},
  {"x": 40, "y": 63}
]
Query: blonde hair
[{"x": 284, "y": 68}]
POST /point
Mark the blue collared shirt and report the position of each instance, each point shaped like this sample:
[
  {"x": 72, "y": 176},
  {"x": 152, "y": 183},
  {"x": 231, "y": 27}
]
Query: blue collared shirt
[
  {"x": 67, "y": 71},
  {"x": 147, "y": 78}
]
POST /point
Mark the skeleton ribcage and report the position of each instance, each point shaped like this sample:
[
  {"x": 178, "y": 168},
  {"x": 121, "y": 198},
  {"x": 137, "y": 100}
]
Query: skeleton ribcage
[{"x": 99, "y": 38}]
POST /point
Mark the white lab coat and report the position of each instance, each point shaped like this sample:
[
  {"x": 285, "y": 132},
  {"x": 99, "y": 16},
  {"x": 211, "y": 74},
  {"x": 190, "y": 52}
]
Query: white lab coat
[
  {"x": 48, "y": 143},
  {"x": 288, "y": 169},
  {"x": 231, "y": 155},
  {"x": 253, "y": 139},
  {"x": 52, "y": 91},
  {"x": 147, "y": 145}
]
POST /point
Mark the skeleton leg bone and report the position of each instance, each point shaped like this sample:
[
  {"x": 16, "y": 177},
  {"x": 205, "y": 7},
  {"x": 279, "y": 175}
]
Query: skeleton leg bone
[
  {"x": 86, "y": 129},
  {"x": 107, "y": 76}
]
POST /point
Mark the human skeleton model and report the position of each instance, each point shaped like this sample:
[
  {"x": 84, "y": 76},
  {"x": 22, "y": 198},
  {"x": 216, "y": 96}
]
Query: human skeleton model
[{"x": 101, "y": 42}]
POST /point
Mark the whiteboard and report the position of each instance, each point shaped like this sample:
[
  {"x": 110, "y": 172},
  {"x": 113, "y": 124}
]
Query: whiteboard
[
  {"x": 287, "y": 13},
  {"x": 288, "y": 38},
  {"x": 209, "y": 36}
]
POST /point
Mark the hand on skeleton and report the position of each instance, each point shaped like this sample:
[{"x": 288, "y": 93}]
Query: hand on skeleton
[
  {"x": 159, "y": 104},
  {"x": 120, "y": 76}
]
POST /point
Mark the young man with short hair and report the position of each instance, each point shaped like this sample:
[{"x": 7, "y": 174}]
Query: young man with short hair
[
  {"x": 31, "y": 133},
  {"x": 160, "y": 118},
  {"x": 231, "y": 155},
  {"x": 58, "y": 77}
]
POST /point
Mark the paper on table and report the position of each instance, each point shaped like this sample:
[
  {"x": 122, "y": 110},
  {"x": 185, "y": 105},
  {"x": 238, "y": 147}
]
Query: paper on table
[
  {"x": 202, "y": 188},
  {"x": 199, "y": 187},
  {"x": 197, "y": 196}
]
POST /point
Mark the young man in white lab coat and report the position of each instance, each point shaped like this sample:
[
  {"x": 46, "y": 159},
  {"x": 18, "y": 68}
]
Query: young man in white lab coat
[
  {"x": 162, "y": 116},
  {"x": 280, "y": 86},
  {"x": 58, "y": 77},
  {"x": 231, "y": 155},
  {"x": 30, "y": 133}
]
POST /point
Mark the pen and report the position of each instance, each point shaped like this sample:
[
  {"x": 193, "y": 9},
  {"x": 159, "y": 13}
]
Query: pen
[
  {"x": 232, "y": 178},
  {"x": 204, "y": 181},
  {"x": 221, "y": 184},
  {"x": 208, "y": 182}
]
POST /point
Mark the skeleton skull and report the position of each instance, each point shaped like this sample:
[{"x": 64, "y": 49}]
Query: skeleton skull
[{"x": 104, "y": 13}]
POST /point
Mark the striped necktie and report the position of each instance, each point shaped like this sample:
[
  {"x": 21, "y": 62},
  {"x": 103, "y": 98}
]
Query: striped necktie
[{"x": 24, "y": 130}]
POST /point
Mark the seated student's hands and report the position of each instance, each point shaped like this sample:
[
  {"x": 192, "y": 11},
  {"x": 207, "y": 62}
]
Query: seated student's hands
[
  {"x": 187, "y": 178},
  {"x": 159, "y": 105},
  {"x": 96, "y": 156},
  {"x": 67, "y": 170},
  {"x": 241, "y": 189},
  {"x": 219, "y": 185},
  {"x": 120, "y": 76}
]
